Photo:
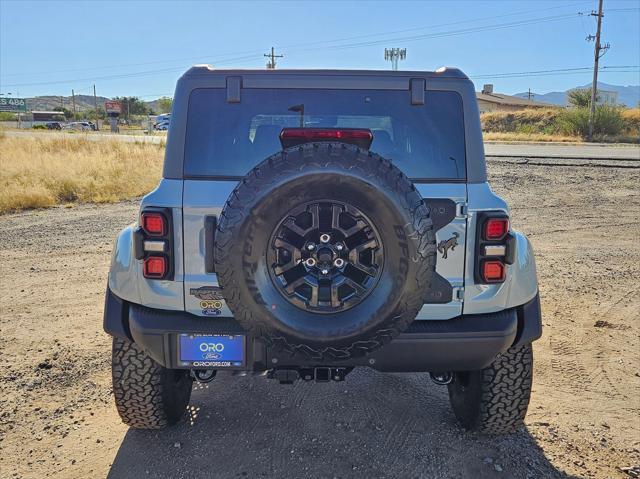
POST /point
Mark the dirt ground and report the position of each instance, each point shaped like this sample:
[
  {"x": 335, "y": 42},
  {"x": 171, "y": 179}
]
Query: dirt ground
[{"x": 57, "y": 417}]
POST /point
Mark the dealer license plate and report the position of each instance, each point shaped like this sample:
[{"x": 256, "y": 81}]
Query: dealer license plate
[{"x": 212, "y": 351}]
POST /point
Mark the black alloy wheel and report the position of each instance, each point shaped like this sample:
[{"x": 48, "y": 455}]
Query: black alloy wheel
[{"x": 325, "y": 256}]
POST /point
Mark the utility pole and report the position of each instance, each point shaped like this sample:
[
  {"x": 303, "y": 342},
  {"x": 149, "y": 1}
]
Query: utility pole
[
  {"x": 530, "y": 94},
  {"x": 393, "y": 55},
  {"x": 73, "y": 100},
  {"x": 271, "y": 64},
  {"x": 598, "y": 52},
  {"x": 95, "y": 106}
]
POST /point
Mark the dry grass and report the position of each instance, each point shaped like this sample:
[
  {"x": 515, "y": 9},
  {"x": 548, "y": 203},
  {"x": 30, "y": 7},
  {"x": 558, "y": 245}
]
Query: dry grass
[
  {"x": 512, "y": 136},
  {"x": 43, "y": 172},
  {"x": 632, "y": 120}
]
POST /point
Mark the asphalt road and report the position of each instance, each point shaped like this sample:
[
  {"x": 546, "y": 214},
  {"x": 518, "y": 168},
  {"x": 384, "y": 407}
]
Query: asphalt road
[
  {"x": 508, "y": 150},
  {"x": 559, "y": 150}
]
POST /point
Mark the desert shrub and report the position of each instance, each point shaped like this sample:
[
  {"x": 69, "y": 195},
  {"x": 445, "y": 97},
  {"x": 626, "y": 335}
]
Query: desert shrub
[
  {"x": 608, "y": 121},
  {"x": 524, "y": 121},
  {"x": 631, "y": 118}
]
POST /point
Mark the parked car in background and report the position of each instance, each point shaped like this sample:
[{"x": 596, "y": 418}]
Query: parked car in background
[
  {"x": 80, "y": 125},
  {"x": 162, "y": 122},
  {"x": 54, "y": 125}
]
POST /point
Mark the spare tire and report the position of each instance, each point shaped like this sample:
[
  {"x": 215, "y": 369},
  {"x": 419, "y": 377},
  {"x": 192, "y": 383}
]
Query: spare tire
[{"x": 325, "y": 251}]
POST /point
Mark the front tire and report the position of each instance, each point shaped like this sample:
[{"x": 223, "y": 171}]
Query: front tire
[
  {"x": 148, "y": 396},
  {"x": 494, "y": 400}
]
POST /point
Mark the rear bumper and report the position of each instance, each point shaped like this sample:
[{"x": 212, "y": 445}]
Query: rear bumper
[{"x": 464, "y": 343}]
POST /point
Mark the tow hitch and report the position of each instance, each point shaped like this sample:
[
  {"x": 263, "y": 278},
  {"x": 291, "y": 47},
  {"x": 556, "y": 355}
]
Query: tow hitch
[
  {"x": 320, "y": 374},
  {"x": 442, "y": 379},
  {"x": 203, "y": 375}
]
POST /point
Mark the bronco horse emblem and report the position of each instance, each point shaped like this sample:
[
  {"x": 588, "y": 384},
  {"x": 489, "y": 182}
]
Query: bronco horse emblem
[{"x": 445, "y": 245}]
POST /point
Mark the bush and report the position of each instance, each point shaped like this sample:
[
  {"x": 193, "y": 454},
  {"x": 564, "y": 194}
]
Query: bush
[
  {"x": 608, "y": 121},
  {"x": 524, "y": 121},
  {"x": 8, "y": 116},
  {"x": 631, "y": 119}
]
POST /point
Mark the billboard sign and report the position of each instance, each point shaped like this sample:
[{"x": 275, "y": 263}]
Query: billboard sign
[
  {"x": 13, "y": 104},
  {"x": 113, "y": 106}
]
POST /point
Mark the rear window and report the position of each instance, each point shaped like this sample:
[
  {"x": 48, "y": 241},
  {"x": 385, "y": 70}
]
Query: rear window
[{"x": 228, "y": 139}]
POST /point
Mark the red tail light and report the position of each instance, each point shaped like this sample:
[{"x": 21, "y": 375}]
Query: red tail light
[
  {"x": 493, "y": 271},
  {"x": 496, "y": 229},
  {"x": 155, "y": 267},
  {"x": 154, "y": 224},
  {"x": 296, "y": 136}
]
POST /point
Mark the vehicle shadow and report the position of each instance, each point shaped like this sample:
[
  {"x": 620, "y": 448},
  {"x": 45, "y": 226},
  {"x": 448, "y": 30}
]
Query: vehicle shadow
[{"x": 371, "y": 425}]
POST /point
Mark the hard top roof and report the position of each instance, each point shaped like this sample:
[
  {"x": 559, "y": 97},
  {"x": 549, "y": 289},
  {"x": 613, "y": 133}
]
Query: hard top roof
[{"x": 442, "y": 72}]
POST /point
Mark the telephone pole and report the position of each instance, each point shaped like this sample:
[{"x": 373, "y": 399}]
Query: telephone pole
[
  {"x": 271, "y": 64},
  {"x": 73, "y": 100},
  {"x": 393, "y": 55},
  {"x": 530, "y": 94},
  {"x": 95, "y": 105},
  {"x": 599, "y": 50}
]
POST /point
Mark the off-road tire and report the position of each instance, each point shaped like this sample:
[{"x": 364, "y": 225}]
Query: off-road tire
[
  {"x": 494, "y": 400},
  {"x": 147, "y": 395},
  {"x": 314, "y": 172}
]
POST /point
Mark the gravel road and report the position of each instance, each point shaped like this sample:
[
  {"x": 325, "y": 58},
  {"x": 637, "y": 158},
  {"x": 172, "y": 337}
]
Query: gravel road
[{"x": 57, "y": 417}]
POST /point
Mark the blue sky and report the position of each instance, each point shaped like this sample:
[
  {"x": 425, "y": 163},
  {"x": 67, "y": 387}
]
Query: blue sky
[{"x": 141, "y": 47}]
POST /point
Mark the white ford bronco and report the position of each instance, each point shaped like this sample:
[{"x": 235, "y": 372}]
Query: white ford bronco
[{"x": 312, "y": 221}]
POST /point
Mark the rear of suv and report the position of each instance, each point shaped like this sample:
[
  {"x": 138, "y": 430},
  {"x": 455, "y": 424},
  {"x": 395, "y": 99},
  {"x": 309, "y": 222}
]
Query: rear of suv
[{"x": 310, "y": 222}]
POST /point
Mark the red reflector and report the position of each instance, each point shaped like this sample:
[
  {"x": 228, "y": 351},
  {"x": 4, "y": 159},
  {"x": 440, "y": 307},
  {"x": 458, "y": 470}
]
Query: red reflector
[
  {"x": 493, "y": 271},
  {"x": 496, "y": 228},
  {"x": 311, "y": 134},
  {"x": 155, "y": 267},
  {"x": 153, "y": 224}
]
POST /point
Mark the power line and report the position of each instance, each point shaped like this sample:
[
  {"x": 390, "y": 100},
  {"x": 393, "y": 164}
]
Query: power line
[
  {"x": 499, "y": 26},
  {"x": 599, "y": 50},
  {"x": 271, "y": 64},
  {"x": 613, "y": 68},
  {"x": 352, "y": 45},
  {"x": 306, "y": 44}
]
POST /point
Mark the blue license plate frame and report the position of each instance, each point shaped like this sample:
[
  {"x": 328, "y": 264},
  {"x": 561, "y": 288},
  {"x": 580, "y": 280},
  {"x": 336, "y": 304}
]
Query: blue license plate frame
[{"x": 212, "y": 351}]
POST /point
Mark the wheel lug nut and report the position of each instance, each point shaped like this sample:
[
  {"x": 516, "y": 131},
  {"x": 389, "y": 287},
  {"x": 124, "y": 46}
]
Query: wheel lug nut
[
  {"x": 338, "y": 263},
  {"x": 325, "y": 271},
  {"x": 311, "y": 246},
  {"x": 339, "y": 247},
  {"x": 325, "y": 238},
  {"x": 310, "y": 262}
]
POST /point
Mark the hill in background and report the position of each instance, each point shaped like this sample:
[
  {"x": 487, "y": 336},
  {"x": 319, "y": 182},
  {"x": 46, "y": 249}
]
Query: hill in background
[
  {"x": 83, "y": 103},
  {"x": 627, "y": 95}
]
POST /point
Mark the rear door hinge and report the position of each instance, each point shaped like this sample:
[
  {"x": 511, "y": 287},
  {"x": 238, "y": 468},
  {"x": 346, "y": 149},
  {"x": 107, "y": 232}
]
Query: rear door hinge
[
  {"x": 457, "y": 294},
  {"x": 462, "y": 210}
]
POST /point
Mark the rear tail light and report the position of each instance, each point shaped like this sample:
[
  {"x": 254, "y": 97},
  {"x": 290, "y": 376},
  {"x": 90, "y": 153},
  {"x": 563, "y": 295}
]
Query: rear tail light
[
  {"x": 496, "y": 229},
  {"x": 154, "y": 224},
  {"x": 155, "y": 267},
  {"x": 153, "y": 243},
  {"x": 493, "y": 271},
  {"x": 296, "y": 136},
  {"x": 492, "y": 253}
]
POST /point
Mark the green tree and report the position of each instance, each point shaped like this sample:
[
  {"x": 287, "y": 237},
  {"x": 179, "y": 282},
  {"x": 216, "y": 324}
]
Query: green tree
[
  {"x": 67, "y": 113},
  {"x": 91, "y": 114},
  {"x": 132, "y": 105},
  {"x": 581, "y": 97},
  {"x": 164, "y": 104}
]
